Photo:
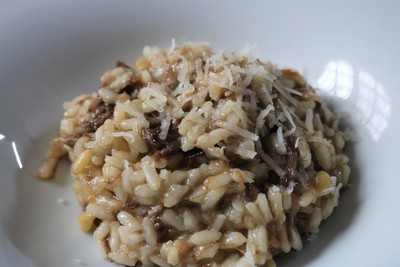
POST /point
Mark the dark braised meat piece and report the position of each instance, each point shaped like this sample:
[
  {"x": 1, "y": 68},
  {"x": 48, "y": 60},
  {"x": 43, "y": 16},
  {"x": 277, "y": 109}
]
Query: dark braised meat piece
[
  {"x": 102, "y": 112},
  {"x": 231, "y": 146},
  {"x": 194, "y": 158},
  {"x": 169, "y": 146},
  {"x": 71, "y": 140},
  {"x": 294, "y": 170}
]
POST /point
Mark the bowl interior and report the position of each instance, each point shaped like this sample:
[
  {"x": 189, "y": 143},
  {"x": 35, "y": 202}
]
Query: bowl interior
[{"x": 50, "y": 55}]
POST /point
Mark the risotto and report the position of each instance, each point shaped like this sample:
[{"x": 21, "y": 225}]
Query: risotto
[{"x": 195, "y": 157}]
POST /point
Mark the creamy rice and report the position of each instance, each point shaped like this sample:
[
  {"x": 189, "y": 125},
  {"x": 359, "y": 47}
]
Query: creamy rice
[{"x": 196, "y": 157}]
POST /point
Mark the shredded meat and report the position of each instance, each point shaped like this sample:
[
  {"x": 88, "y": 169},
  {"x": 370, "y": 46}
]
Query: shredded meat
[
  {"x": 294, "y": 170},
  {"x": 171, "y": 149},
  {"x": 251, "y": 191},
  {"x": 194, "y": 158},
  {"x": 164, "y": 232},
  {"x": 153, "y": 118},
  {"x": 102, "y": 112},
  {"x": 231, "y": 146},
  {"x": 71, "y": 140},
  {"x": 159, "y": 147},
  {"x": 171, "y": 145},
  {"x": 120, "y": 63}
]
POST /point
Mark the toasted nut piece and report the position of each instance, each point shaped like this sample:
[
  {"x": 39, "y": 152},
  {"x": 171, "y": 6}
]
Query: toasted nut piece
[
  {"x": 322, "y": 180},
  {"x": 85, "y": 221}
]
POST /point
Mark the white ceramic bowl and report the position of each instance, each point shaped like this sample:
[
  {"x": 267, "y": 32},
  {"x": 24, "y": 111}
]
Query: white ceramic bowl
[{"x": 51, "y": 51}]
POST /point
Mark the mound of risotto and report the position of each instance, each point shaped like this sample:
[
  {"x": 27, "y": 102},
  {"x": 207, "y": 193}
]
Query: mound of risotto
[{"x": 195, "y": 157}]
